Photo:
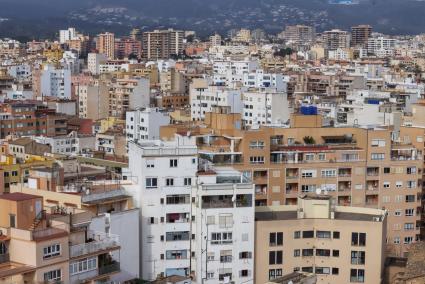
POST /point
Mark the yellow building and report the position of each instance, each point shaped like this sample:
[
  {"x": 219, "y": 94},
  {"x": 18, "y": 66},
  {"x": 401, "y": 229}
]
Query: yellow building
[{"x": 110, "y": 122}]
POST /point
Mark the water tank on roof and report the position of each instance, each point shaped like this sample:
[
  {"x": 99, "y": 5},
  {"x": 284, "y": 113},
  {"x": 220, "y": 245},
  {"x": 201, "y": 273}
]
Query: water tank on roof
[
  {"x": 309, "y": 110},
  {"x": 373, "y": 102}
]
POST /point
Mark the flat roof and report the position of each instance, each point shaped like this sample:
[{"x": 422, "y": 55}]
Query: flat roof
[
  {"x": 18, "y": 196},
  {"x": 292, "y": 215}
]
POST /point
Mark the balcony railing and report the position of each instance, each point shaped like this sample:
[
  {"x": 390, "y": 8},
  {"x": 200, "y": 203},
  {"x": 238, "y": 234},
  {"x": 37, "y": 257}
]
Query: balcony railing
[
  {"x": 110, "y": 268},
  {"x": 100, "y": 242}
]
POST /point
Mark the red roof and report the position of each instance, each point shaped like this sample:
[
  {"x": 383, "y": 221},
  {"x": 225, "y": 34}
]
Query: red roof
[{"x": 18, "y": 196}]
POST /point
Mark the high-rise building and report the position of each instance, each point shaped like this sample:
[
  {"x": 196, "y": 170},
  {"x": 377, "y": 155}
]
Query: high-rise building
[
  {"x": 69, "y": 34},
  {"x": 335, "y": 39},
  {"x": 299, "y": 34},
  {"x": 106, "y": 44},
  {"x": 136, "y": 34},
  {"x": 215, "y": 40},
  {"x": 127, "y": 46},
  {"x": 161, "y": 44},
  {"x": 360, "y": 35}
]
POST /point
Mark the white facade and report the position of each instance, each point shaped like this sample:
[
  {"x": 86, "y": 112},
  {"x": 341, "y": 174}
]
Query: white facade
[
  {"x": 203, "y": 100},
  {"x": 71, "y": 62},
  {"x": 125, "y": 224},
  {"x": 69, "y": 34},
  {"x": 381, "y": 47},
  {"x": 71, "y": 144},
  {"x": 165, "y": 172},
  {"x": 265, "y": 107},
  {"x": 259, "y": 79},
  {"x": 144, "y": 124},
  {"x": 94, "y": 60},
  {"x": 56, "y": 83},
  {"x": 227, "y": 72},
  {"x": 224, "y": 237},
  {"x": 21, "y": 72}
]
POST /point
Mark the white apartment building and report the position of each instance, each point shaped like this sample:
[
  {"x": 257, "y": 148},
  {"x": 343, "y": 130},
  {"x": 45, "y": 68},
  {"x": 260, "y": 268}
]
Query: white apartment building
[
  {"x": 71, "y": 144},
  {"x": 94, "y": 60},
  {"x": 71, "y": 62},
  {"x": 202, "y": 100},
  {"x": 381, "y": 47},
  {"x": 21, "y": 72},
  {"x": 215, "y": 40},
  {"x": 264, "y": 107},
  {"x": 224, "y": 236},
  {"x": 55, "y": 83},
  {"x": 259, "y": 79},
  {"x": 227, "y": 72},
  {"x": 165, "y": 172},
  {"x": 68, "y": 34},
  {"x": 144, "y": 124}
]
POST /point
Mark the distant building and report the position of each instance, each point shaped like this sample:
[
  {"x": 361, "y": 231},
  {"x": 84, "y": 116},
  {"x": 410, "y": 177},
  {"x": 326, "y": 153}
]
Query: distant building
[
  {"x": 335, "y": 39},
  {"x": 69, "y": 34},
  {"x": 360, "y": 35},
  {"x": 126, "y": 46},
  {"x": 162, "y": 44},
  {"x": 299, "y": 34},
  {"x": 106, "y": 44}
]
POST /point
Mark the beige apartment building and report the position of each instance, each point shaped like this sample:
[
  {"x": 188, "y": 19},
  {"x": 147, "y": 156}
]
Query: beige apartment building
[
  {"x": 373, "y": 168},
  {"x": 93, "y": 100},
  {"x": 339, "y": 244},
  {"x": 161, "y": 44},
  {"x": 46, "y": 245},
  {"x": 106, "y": 44}
]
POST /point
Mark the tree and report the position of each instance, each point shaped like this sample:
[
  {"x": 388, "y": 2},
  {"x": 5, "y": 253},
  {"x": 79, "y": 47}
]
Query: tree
[{"x": 309, "y": 140}]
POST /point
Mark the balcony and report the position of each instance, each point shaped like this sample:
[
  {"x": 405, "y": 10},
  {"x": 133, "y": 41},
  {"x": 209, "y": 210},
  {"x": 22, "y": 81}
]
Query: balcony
[
  {"x": 98, "y": 242},
  {"x": 109, "y": 268},
  {"x": 95, "y": 197}
]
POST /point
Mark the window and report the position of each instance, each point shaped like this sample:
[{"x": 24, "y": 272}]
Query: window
[
  {"x": 397, "y": 213},
  {"x": 150, "y": 163},
  {"x": 177, "y": 236},
  {"x": 410, "y": 198},
  {"x": 335, "y": 253},
  {"x": 358, "y": 257},
  {"x": 309, "y": 157},
  {"x": 187, "y": 181},
  {"x": 323, "y": 270},
  {"x": 409, "y": 212},
  {"x": 245, "y": 255},
  {"x": 221, "y": 238},
  {"x": 169, "y": 182},
  {"x": 3, "y": 248},
  {"x": 51, "y": 251},
  {"x": 387, "y": 170},
  {"x": 193, "y": 161},
  {"x": 256, "y": 160},
  {"x": 323, "y": 252},
  {"x": 244, "y": 273},
  {"x": 386, "y": 184},
  {"x": 151, "y": 182},
  {"x": 297, "y": 234},
  {"x": 173, "y": 163},
  {"x": 275, "y": 257},
  {"x": 358, "y": 239},
  {"x": 275, "y": 273},
  {"x": 357, "y": 275},
  {"x": 396, "y": 240},
  {"x": 297, "y": 252},
  {"x": 308, "y": 252},
  {"x": 411, "y": 170},
  {"x": 336, "y": 235},
  {"x": 408, "y": 240},
  {"x": 377, "y": 156},
  {"x": 386, "y": 199},
  {"x": 308, "y": 234},
  {"x": 409, "y": 226},
  {"x": 335, "y": 270},
  {"x": 83, "y": 265},
  {"x": 308, "y": 188},
  {"x": 226, "y": 256},
  {"x": 12, "y": 220},
  {"x": 323, "y": 234},
  {"x": 276, "y": 239},
  {"x": 53, "y": 275},
  {"x": 256, "y": 144},
  {"x": 308, "y": 173},
  {"x": 378, "y": 143},
  {"x": 322, "y": 156},
  {"x": 307, "y": 269},
  {"x": 328, "y": 173},
  {"x": 225, "y": 220}
]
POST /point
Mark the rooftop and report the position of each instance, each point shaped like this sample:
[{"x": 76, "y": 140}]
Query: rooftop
[{"x": 18, "y": 196}]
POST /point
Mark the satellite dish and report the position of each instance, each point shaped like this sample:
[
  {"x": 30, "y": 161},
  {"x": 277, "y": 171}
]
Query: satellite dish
[{"x": 318, "y": 191}]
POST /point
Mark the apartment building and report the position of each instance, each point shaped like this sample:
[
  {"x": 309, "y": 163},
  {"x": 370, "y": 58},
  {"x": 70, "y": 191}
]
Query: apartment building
[
  {"x": 224, "y": 230},
  {"x": 339, "y": 244},
  {"x": 264, "y": 107},
  {"x": 71, "y": 144},
  {"x": 106, "y": 44},
  {"x": 93, "y": 100},
  {"x": 260, "y": 79},
  {"x": 46, "y": 246},
  {"x": 381, "y": 46},
  {"x": 27, "y": 119},
  {"x": 127, "y": 94},
  {"x": 94, "y": 60},
  {"x": 360, "y": 35},
  {"x": 126, "y": 46},
  {"x": 226, "y": 73},
  {"x": 55, "y": 83},
  {"x": 111, "y": 142},
  {"x": 299, "y": 34},
  {"x": 165, "y": 173},
  {"x": 66, "y": 35},
  {"x": 361, "y": 167},
  {"x": 335, "y": 39},
  {"x": 204, "y": 98},
  {"x": 162, "y": 44},
  {"x": 144, "y": 124}
]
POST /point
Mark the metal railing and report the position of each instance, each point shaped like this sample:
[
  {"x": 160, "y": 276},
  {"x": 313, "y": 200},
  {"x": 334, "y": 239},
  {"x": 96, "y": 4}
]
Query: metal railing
[
  {"x": 110, "y": 268},
  {"x": 100, "y": 241},
  {"x": 4, "y": 258}
]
